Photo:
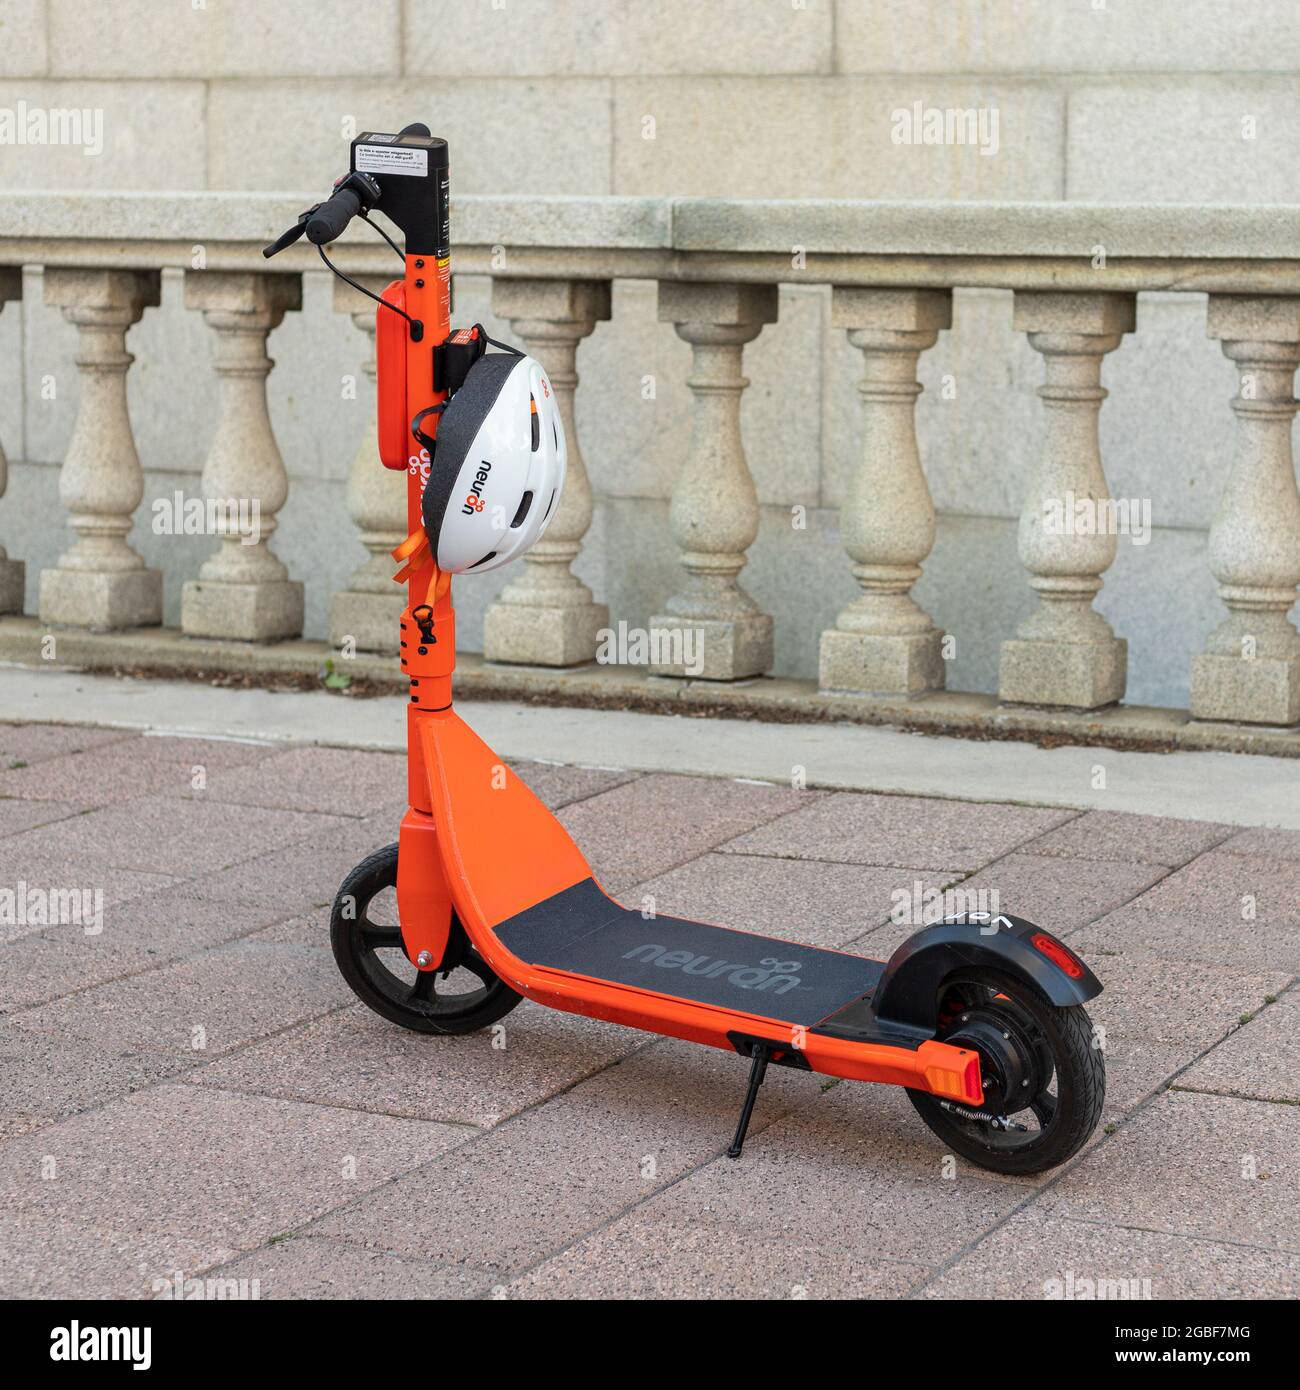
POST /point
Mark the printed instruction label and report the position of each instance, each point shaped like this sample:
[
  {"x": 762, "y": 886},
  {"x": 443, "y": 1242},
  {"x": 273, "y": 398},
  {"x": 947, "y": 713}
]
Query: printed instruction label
[{"x": 392, "y": 159}]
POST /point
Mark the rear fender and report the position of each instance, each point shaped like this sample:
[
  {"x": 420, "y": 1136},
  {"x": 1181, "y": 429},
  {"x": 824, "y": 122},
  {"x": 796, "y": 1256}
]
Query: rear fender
[{"x": 908, "y": 991}]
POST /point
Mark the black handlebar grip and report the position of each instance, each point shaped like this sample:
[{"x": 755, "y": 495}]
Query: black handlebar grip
[{"x": 330, "y": 220}]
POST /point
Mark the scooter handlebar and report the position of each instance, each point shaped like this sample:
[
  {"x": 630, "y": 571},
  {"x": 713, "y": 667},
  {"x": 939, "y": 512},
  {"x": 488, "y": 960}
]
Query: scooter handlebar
[{"x": 330, "y": 220}]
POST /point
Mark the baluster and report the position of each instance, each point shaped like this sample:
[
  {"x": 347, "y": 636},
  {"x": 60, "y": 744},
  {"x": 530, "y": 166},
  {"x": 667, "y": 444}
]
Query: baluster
[
  {"x": 13, "y": 573},
  {"x": 1065, "y": 653},
  {"x": 1250, "y": 668},
  {"x": 100, "y": 581},
  {"x": 243, "y": 590},
  {"x": 546, "y": 616},
  {"x": 884, "y": 642},
  {"x": 714, "y": 512},
  {"x": 367, "y": 611}
]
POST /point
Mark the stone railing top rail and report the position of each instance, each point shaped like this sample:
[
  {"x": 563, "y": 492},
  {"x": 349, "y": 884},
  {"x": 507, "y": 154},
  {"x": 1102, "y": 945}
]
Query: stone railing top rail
[{"x": 1023, "y": 245}]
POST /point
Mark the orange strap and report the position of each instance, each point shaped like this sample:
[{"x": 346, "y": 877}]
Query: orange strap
[{"x": 415, "y": 551}]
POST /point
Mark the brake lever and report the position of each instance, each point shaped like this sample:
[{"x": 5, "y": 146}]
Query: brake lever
[{"x": 288, "y": 238}]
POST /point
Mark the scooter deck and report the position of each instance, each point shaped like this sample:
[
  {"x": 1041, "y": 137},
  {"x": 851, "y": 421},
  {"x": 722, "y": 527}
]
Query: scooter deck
[{"x": 584, "y": 931}]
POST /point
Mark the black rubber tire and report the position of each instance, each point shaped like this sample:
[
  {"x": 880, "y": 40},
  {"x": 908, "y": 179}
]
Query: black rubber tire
[
  {"x": 1080, "y": 1077},
  {"x": 387, "y": 994}
]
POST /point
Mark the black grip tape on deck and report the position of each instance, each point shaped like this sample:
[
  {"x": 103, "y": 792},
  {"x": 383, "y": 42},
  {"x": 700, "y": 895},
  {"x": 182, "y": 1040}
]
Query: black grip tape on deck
[{"x": 583, "y": 931}]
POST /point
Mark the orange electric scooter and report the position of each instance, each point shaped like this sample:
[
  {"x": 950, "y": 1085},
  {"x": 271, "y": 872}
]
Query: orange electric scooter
[{"x": 979, "y": 1018}]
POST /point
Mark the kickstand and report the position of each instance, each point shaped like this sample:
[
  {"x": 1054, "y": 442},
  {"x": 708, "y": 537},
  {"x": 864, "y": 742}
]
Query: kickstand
[{"x": 756, "y": 1074}]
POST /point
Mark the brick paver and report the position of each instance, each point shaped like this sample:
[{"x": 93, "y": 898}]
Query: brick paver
[
  {"x": 819, "y": 904},
  {"x": 1035, "y": 1256},
  {"x": 356, "y": 1058},
  {"x": 1261, "y": 1060},
  {"x": 1212, "y": 1167},
  {"x": 193, "y": 1088},
  {"x": 853, "y": 828}
]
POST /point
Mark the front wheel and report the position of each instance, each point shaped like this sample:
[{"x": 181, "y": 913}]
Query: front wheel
[
  {"x": 1043, "y": 1073},
  {"x": 367, "y": 942}
]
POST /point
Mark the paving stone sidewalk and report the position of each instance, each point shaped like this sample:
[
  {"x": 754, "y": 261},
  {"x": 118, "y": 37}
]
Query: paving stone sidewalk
[{"x": 193, "y": 1093}]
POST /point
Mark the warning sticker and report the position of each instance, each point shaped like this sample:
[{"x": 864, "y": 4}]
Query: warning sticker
[{"x": 392, "y": 159}]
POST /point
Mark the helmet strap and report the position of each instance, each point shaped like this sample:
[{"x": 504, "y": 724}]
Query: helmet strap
[{"x": 427, "y": 441}]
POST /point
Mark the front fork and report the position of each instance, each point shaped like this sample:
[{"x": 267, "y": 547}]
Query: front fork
[{"x": 423, "y": 901}]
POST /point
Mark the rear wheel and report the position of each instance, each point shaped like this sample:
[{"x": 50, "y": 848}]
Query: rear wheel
[
  {"x": 1043, "y": 1074},
  {"x": 461, "y": 997}
]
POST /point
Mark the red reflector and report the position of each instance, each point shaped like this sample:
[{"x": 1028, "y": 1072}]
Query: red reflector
[{"x": 1057, "y": 954}]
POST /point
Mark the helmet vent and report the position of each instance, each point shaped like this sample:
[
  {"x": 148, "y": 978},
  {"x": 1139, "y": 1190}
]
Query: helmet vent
[
  {"x": 491, "y": 555},
  {"x": 549, "y": 505},
  {"x": 537, "y": 425},
  {"x": 525, "y": 502}
]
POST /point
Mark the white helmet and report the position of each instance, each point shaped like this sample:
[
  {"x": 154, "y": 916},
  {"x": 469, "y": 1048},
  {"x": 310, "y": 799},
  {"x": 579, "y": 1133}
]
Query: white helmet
[{"x": 498, "y": 466}]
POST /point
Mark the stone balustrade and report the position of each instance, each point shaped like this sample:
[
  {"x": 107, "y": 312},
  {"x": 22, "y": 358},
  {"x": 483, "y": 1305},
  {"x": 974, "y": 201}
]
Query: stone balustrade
[
  {"x": 100, "y": 581},
  {"x": 720, "y": 268}
]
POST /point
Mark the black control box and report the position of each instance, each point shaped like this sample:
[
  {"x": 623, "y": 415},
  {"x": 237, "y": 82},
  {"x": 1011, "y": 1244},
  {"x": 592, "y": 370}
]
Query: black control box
[{"x": 411, "y": 171}]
